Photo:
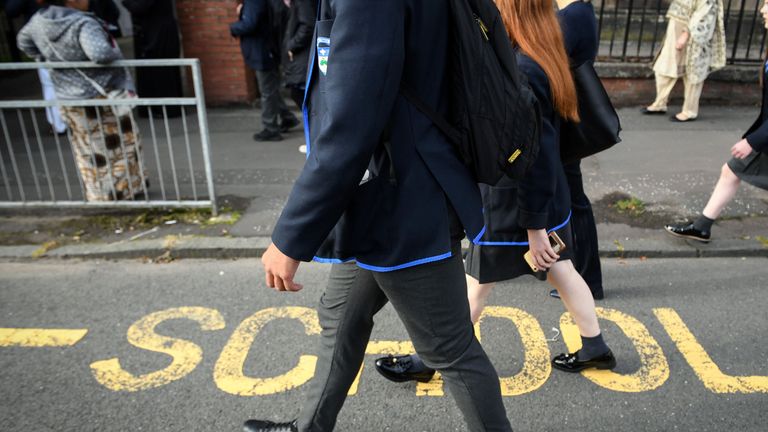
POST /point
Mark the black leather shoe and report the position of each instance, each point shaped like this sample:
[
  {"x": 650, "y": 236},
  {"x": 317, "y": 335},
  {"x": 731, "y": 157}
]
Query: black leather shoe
[
  {"x": 571, "y": 362},
  {"x": 266, "y": 135},
  {"x": 288, "y": 124},
  {"x": 646, "y": 111},
  {"x": 268, "y": 426},
  {"x": 401, "y": 369},
  {"x": 688, "y": 231}
]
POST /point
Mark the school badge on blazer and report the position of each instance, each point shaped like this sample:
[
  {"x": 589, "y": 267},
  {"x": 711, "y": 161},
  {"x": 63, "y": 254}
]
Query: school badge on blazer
[{"x": 323, "y": 51}]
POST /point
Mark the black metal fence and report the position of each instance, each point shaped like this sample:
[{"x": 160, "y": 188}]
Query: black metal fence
[{"x": 633, "y": 30}]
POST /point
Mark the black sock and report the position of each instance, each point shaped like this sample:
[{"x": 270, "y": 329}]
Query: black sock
[
  {"x": 703, "y": 223},
  {"x": 592, "y": 347}
]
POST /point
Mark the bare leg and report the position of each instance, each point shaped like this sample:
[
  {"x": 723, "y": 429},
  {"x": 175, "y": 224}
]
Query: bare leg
[
  {"x": 576, "y": 297},
  {"x": 725, "y": 190},
  {"x": 477, "y": 294}
]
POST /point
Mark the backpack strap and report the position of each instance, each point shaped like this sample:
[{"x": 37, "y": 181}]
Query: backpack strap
[{"x": 449, "y": 131}]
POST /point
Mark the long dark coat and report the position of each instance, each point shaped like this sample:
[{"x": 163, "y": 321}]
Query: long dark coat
[
  {"x": 155, "y": 36},
  {"x": 298, "y": 38}
]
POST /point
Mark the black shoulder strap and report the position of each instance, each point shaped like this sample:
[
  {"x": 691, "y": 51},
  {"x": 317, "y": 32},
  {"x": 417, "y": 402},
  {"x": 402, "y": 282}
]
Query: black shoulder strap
[{"x": 450, "y": 132}]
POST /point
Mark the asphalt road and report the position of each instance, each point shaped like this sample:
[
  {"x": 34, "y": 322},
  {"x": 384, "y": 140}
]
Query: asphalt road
[{"x": 689, "y": 329}]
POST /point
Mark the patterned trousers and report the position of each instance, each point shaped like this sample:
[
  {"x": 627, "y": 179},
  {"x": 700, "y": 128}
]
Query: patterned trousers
[{"x": 107, "y": 152}]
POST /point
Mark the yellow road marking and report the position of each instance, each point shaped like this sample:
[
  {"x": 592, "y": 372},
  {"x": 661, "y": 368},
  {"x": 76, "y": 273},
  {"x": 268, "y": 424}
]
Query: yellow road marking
[
  {"x": 536, "y": 367},
  {"x": 38, "y": 338},
  {"x": 228, "y": 373},
  {"x": 706, "y": 369},
  {"x": 186, "y": 355},
  {"x": 654, "y": 369}
]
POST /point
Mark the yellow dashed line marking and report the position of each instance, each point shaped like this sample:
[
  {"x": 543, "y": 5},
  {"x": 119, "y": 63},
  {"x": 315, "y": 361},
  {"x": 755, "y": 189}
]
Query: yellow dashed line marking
[{"x": 39, "y": 338}]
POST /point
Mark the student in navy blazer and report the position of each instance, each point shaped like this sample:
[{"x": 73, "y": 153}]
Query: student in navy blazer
[
  {"x": 519, "y": 214},
  {"x": 385, "y": 198},
  {"x": 748, "y": 163}
]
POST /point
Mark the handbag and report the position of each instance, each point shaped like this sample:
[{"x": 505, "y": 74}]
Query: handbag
[{"x": 599, "y": 127}]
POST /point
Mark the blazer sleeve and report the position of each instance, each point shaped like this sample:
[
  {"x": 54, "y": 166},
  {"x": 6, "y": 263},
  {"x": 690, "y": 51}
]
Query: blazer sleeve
[
  {"x": 361, "y": 84},
  {"x": 306, "y": 16},
  {"x": 254, "y": 13},
  {"x": 758, "y": 138},
  {"x": 537, "y": 190}
]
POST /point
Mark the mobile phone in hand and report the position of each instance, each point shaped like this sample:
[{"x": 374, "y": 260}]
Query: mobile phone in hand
[{"x": 557, "y": 245}]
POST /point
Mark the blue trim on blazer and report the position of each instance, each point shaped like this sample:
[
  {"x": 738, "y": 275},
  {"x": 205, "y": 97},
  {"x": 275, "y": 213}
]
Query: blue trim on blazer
[
  {"x": 384, "y": 269},
  {"x": 493, "y": 243},
  {"x": 406, "y": 265},
  {"x": 479, "y": 236},
  {"x": 331, "y": 260}
]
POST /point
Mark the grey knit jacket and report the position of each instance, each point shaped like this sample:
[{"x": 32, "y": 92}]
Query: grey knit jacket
[{"x": 63, "y": 34}]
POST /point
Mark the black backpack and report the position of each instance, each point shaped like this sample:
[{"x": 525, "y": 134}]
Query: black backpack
[{"x": 494, "y": 118}]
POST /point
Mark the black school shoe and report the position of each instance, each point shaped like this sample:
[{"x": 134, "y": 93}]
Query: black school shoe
[
  {"x": 268, "y": 426},
  {"x": 266, "y": 135},
  {"x": 688, "y": 231},
  {"x": 646, "y": 111},
  {"x": 401, "y": 369},
  {"x": 288, "y": 124},
  {"x": 571, "y": 362}
]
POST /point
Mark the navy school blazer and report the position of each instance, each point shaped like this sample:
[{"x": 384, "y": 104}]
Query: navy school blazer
[
  {"x": 385, "y": 206},
  {"x": 757, "y": 134}
]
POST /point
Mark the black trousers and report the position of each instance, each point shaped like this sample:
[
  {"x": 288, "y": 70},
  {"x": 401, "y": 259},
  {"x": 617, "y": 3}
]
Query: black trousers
[
  {"x": 586, "y": 257},
  {"x": 431, "y": 300}
]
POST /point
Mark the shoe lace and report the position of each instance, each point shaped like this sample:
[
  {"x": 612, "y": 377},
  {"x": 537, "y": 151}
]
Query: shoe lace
[{"x": 404, "y": 361}]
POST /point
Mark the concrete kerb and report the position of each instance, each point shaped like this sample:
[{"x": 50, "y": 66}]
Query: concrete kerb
[{"x": 254, "y": 247}]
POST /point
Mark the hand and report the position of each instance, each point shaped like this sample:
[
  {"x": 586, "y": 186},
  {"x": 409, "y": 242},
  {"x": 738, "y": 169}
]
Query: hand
[
  {"x": 290, "y": 55},
  {"x": 741, "y": 149},
  {"x": 543, "y": 254},
  {"x": 682, "y": 41},
  {"x": 280, "y": 269},
  {"x": 239, "y": 9}
]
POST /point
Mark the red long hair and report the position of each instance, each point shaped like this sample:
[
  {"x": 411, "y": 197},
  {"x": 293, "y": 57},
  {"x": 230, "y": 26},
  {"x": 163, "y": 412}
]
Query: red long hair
[{"x": 533, "y": 26}]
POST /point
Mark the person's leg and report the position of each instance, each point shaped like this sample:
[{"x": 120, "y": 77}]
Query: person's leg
[
  {"x": 287, "y": 117},
  {"x": 297, "y": 96},
  {"x": 477, "y": 294},
  {"x": 664, "y": 86},
  {"x": 594, "y": 353},
  {"x": 691, "y": 102},
  {"x": 431, "y": 300},
  {"x": 725, "y": 189},
  {"x": 269, "y": 86},
  {"x": 346, "y": 312},
  {"x": 700, "y": 229},
  {"x": 576, "y": 296},
  {"x": 586, "y": 256}
]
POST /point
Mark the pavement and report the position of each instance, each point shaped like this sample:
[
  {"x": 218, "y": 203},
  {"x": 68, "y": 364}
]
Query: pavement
[{"x": 669, "y": 168}]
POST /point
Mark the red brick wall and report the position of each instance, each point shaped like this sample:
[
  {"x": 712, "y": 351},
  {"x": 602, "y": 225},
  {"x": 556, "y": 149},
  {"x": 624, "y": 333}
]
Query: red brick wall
[
  {"x": 204, "y": 26},
  {"x": 641, "y": 92}
]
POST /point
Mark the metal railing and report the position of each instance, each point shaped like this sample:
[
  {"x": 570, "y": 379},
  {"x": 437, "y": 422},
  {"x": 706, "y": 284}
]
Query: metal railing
[
  {"x": 633, "y": 30},
  {"x": 39, "y": 169}
]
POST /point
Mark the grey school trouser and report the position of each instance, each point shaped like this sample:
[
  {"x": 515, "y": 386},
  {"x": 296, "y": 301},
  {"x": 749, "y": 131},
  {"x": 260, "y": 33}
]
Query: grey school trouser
[{"x": 431, "y": 300}]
